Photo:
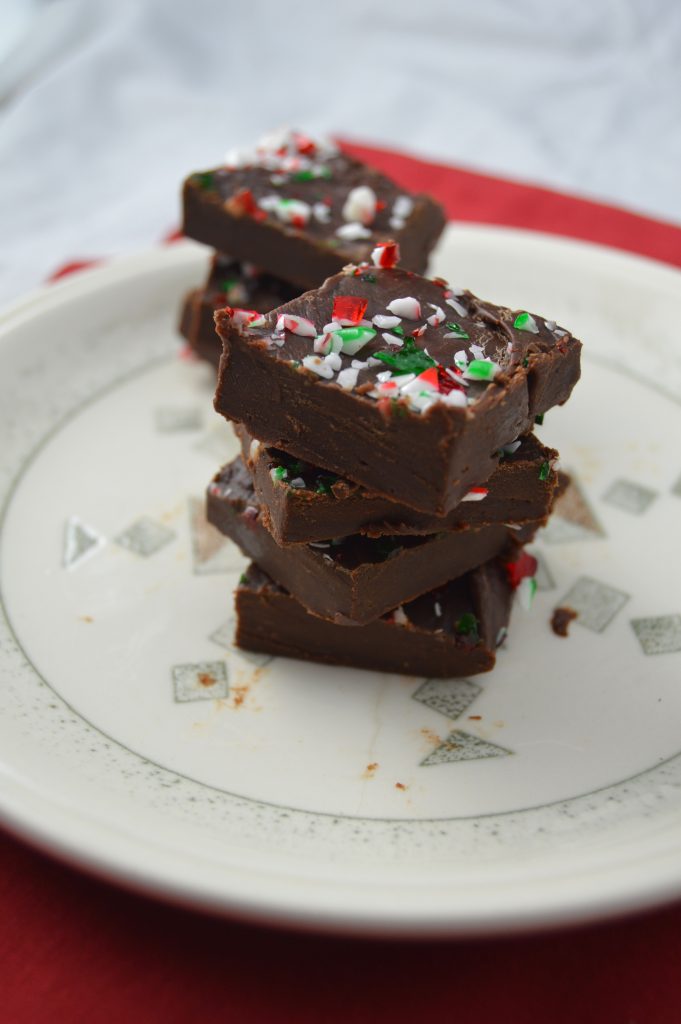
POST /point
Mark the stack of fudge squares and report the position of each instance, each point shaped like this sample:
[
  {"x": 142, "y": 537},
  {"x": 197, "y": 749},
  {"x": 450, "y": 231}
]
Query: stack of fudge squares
[{"x": 389, "y": 479}]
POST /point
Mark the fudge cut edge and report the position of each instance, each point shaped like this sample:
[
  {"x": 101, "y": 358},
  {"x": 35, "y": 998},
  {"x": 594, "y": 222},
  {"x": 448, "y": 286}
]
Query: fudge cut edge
[
  {"x": 525, "y": 480},
  {"x": 271, "y": 621}
]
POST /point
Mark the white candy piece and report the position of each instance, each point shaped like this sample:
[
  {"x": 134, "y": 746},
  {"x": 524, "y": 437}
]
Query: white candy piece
[
  {"x": 322, "y": 344},
  {"x": 293, "y": 209},
  {"x": 392, "y": 339},
  {"x": 461, "y": 356},
  {"x": 408, "y": 307},
  {"x": 385, "y": 322},
  {"x": 403, "y": 206},
  {"x": 296, "y": 325},
  {"x": 352, "y": 232},
  {"x": 269, "y": 203},
  {"x": 254, "y": 449},
  {"x": 396, "y": 223},
  {"x": 423, "y": 400},
  {"x": 399, "y": 616},
  {"x": 334, "y": 325},
  {"x": 360, "y": 205},
  {"x": 461, "y": 310},
  {"x": 438, "y": 316},
  {"x": 478, "y": 352},
  {"x": 321, "y": 212},
  {"x": 385, "y": 375},
  {"x": 348, "y": 378},
  {"x": 418, "y": 384},
  {"x": 455, "y": 398},
  {"x": 318, "y": 366}
]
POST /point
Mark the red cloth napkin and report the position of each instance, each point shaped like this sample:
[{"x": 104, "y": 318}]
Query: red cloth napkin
[{"x": 73, "y": 949}]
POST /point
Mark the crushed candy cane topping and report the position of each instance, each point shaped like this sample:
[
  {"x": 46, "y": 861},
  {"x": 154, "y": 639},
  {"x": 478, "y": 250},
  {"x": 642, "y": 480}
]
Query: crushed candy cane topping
[
  {"x": 360, "y": 205},
  {"x": 409, "y": 308},
  {"x": 401, "y": 368}
]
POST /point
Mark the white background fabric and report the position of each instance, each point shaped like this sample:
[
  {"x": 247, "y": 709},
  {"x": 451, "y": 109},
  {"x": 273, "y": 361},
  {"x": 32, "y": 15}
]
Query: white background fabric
[{"x": 105, "y": 105}]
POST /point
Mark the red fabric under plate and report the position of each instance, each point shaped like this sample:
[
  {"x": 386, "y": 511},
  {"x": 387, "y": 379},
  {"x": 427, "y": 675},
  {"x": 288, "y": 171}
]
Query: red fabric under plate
[{"x": 72, "y": 949}]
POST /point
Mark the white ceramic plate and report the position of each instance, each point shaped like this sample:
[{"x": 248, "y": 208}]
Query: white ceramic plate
[{"x": 546, "y": 792}]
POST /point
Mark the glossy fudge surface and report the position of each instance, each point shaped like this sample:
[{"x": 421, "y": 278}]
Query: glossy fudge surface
[
  {"x": 355, "y": 579},
  {"x": 452, "y": 631},
  {"x": 304, "y": 503},
  {"x": 301, "y": 209},
  {"x": 402, "y": 384}
]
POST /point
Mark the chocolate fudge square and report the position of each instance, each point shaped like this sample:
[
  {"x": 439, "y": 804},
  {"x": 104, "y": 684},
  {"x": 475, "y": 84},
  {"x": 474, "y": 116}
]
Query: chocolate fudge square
[
  {"x": 402, "y": 384},
  {"x": 300, "y": 209},
  {"x": 452, "y": 631},
  {"x": 304, "y": 503},
  {"x": 229, "y": 283},
  {"x": 356, "y": 579}
]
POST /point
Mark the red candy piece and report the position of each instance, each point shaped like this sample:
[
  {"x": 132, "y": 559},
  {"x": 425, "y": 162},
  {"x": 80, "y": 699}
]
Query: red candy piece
[
  {"x": 430, "y": 376},
  {"x": 388, "y": 254},
  {"x": 304, "y": 145},
  {"x": 444, "y": 380},
  {"x": 243, "y": 204},
  {"x": 516, "y": 571},
  {"x": 349, "y": 308}
]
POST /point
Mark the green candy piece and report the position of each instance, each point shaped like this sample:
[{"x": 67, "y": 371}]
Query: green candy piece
[
  {"x": 325, "y": 483},
  {"x": 354, "y": 338},
  {"x": 539, "y": 419},
  {"x": 526, "y": 322},
  {"x": 544, "y": 471},
  {"x": 456, "y": 329},
  {"x": 480, "y": 369},
  {"x": 205, "y": 180},
  {"x": 467, "y": 625},
  {"x": 279, "y": 473},
  {"x": 408, "y": 359}
]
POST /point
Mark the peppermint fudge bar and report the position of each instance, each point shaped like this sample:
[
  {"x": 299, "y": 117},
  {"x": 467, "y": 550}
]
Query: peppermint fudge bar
[
  {"x": 452, "y": 631},
  {"x": 355, "y": 579},
  {"x": 304, "y": 503},
  {"x": 405, "y": 385},
  {"x": 300, "y": 209}
]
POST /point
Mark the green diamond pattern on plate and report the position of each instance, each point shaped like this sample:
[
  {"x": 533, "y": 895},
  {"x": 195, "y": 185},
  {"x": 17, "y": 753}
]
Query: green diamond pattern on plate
[
  {"x": 572, "y": 519},
  {"x": 659, "y": 635},
  {"x": 201, "y": 680},
  {"x": 79, "y": 542},
  {"x": 596, "y": 603},
  {"x": 629, "y": 497},
  {"x": 462, "y": 746},
  {"x": 211, "y": 551},
  {"x": 145, "y": 537},
  {"x": 451, "y": 697}
]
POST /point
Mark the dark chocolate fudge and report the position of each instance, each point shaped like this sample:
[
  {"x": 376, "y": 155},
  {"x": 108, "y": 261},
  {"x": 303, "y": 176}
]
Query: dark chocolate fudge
[
  {"x": 230, "y": 283},
  {"x": 356, "y": 579},
  {"x": 301, "y": 210},
  {"x": 405, "y": 385},
  {"x": 452, "y": 631},
  {"x": 304, "y": 503}
]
